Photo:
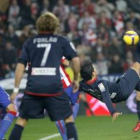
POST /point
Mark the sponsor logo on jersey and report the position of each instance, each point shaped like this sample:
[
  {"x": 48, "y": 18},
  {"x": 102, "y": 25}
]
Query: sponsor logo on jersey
[
  {"x": 113, "y": 95},
  {"x": 44, "y": 71},
  {"x": 101, "y": 87}
]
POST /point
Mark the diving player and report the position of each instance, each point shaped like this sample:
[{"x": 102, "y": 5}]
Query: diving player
[
  {"x": 73, "y": 97},
  {"x": 110, "y": 92},
  {"x": 44, "y": 88}
]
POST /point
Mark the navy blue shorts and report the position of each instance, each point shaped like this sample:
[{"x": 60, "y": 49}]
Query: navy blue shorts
[
  {"x": 58, "y": 107},
  {"x": 128, "y": 82},
  {"x": 73, "y": 97}
]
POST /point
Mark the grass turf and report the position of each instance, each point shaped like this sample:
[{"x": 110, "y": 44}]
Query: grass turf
[{"x": 89, "y": 128}]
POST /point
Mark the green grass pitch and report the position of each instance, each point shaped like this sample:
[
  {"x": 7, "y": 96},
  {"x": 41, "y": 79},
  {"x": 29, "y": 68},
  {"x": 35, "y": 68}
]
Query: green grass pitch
[{"x": 89, "y": 128}]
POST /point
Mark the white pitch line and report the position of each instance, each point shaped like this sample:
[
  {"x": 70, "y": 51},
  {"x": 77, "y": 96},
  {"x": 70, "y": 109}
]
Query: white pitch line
[{"x": 50, "y": 137}]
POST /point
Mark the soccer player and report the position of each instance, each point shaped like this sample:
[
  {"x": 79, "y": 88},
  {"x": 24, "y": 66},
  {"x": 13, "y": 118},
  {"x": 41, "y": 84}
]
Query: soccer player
[
  {"x": 73, "y": 97},
  {"x": 9, "y": 114},
  {"x": 110, "y": 92},
  {"x": 44, "y": 88},
  {"x": 136, "y": 56}
]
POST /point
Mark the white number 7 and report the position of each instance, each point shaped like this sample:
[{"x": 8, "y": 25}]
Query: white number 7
[{"x": 46, "y": 53}]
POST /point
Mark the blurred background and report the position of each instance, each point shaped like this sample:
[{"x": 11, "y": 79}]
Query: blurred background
[{"x": 95, "y": 27}]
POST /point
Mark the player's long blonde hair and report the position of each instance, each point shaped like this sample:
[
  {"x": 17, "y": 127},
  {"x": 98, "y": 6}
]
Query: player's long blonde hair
[{"x": 47, "y": 22}]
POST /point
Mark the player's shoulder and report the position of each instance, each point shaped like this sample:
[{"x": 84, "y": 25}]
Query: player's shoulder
[
  {"x": 30, "y": 39},
  {"x": 102, "y": 81},
  {"x": 102, "y": 85},
  {"x": 62, "y": 38}
]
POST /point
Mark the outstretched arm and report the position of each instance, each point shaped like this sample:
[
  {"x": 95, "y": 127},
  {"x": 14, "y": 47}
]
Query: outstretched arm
[
  {"x": 18, "y": 76},
  {"x": 106, "y": 99}
]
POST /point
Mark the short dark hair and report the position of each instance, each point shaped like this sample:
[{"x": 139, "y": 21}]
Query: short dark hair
[{"x": 86, "y": 70}]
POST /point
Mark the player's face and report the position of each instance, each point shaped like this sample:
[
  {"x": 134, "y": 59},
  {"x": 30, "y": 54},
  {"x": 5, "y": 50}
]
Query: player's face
[{"x": 94, "y": 72}]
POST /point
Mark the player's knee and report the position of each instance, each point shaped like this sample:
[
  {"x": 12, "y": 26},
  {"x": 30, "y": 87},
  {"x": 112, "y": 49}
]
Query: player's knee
[
  {"x": 69, "y": 119},
  {"x": 138, "y": 96},
  {"x": 21, "y": 121},
  {"x": 136, "y": 67}
]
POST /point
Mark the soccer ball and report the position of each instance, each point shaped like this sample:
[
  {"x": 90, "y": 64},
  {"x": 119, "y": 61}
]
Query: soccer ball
[{"x": 131, "y": 38}]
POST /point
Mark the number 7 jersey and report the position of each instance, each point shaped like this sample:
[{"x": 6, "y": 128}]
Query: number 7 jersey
[{"x": 44, "y": 53}]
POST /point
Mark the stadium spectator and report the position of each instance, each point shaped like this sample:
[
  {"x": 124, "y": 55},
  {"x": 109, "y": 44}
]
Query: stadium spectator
[
  {"x": 129, "y": 60},
  {"x": 26, "y": 14},
  {"x": 104, "y": 35},
  {"x": 13, "y": 14},
  {"x": 45, "y": 6},
  {"x": 99, "y": 48},
  {"x": 87, "y": 19},
  {"x": 102, "y": 64},
  {"x": 104, "y": 5},
  {"x": 61, "y": 10},
  {"x": 118, "y": 22},
  {"x": 121, "y": 5},
  {"x": 9, "y": 59},
  {"x": 134, "y": 20},
  {"x": 12, "y": 37},
  {"x": 115, "y": 65},
  {"x": 103, "y": 20},
  {"x": 116, "y": 48}
]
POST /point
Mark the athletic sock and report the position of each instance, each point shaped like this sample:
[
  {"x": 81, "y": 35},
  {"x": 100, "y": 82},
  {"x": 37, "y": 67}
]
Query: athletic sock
[
  {"x": 71, "y": 131},
  {"x": 16, "y": 132},
  {"x": 6, "y": 123},
  {"x": 138, "y": 109},
  {"x": 3, "y": 112},
  {"x": 62, "y": 129},
  {"x": 75, "y": 109}
]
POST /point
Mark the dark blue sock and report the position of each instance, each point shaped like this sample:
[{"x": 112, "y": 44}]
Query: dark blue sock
[
  {"x": 71, "y": 131},
  {"x": 16, "y": 132},
  {"x": 75, "y": 109},
  {"x": 6, "y": 123},
  {"x": 62, "y": 129}
]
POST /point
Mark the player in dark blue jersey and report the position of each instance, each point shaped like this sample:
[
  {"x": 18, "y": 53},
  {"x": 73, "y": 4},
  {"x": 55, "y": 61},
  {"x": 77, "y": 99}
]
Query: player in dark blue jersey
[
  {"x": 137, "y": 127},
  {"x": 44, "y": 88},
  {"x": 110, "y": 92}
]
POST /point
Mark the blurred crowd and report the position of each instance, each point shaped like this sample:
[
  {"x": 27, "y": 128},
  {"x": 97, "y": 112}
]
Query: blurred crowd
[{"x": 95, "y": 27}]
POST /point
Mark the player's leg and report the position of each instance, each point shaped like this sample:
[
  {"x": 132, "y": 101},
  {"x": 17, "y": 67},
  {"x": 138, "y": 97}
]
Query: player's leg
[
  {"x": 137, "y": 127},
  {"x": 73, "y": 97},
  {"x": 71, "y": 129},
  {"x": 3, "y": 112},
  {"x": 129, "y": 80},
  {"x": 61, "y": 124},
  {"x": 59, "y": 108},
  {"x": 30, "y": 107},
  {"x": 61, "y": 128},
  {"x": 18, "y": 129},
  {"x": 9, "y": 116}
]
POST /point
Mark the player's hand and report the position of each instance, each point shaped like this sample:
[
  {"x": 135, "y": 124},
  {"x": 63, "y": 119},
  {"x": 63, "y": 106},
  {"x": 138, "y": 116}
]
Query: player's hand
[
  {"x": 115, "y": 115},
  {"x": 75, "y": 86},
  {"x": 13, "y": 96}
]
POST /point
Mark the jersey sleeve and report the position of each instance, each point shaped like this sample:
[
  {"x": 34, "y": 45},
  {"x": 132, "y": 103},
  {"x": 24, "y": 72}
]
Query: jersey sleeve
[
  {"x": 69, "y": 50},
  {"x": 103, "y": 87},
  {"x": 24, "y": 53}
]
